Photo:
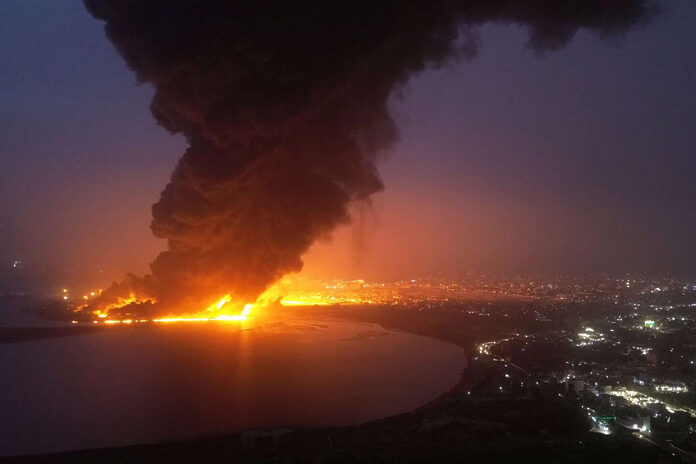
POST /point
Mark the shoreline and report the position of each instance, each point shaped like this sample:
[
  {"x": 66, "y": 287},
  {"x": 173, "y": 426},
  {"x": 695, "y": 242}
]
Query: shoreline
[
  {"x": 455, "y": 426},
  {"x": 10, "y": 335}
]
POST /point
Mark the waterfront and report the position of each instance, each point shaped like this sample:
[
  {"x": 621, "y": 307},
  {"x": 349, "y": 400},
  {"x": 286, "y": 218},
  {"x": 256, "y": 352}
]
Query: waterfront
[{"x": 148, "y": 384}]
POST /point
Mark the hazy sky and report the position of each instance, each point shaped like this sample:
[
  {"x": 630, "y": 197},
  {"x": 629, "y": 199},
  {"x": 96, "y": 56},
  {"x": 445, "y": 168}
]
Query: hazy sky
[{"x": 579, "y": 160}]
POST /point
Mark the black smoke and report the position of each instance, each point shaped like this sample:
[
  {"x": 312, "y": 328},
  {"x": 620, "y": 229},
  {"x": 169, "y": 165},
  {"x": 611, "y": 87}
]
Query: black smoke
[{"x": 284, "y": 107}]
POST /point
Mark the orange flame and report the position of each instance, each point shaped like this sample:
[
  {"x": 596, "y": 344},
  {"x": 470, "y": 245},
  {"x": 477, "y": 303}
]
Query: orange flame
[
  {"x": 212, "y": 313},
  {"x": 286, "y": 292}
]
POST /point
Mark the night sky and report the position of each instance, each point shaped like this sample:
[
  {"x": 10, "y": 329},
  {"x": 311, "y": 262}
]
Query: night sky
[{"x": 580, "y": 160}]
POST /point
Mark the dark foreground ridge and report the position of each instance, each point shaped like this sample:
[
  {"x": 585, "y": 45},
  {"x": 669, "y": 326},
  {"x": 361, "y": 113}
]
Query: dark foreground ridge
[
  {"x": 326, "y": 446},
  {"x": 473, "y": 422}
]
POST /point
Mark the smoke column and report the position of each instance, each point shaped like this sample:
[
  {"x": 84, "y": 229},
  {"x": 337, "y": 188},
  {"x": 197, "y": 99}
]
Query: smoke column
[{"x": 284, "y": 107}]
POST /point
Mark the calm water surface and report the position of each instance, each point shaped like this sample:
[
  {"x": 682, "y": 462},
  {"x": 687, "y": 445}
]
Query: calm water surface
[{"x": 150, "y": 384}]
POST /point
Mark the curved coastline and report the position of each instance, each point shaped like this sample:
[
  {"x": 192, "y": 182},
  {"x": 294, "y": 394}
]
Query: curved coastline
[{"x": 17, "y": 334}]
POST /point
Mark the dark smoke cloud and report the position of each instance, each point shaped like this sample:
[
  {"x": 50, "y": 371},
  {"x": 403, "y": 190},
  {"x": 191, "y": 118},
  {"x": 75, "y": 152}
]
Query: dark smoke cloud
[{"x": 284, "y": 106}]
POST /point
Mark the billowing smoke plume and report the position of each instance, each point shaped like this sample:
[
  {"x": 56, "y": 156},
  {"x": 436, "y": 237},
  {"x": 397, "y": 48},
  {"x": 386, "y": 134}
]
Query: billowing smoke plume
[{"x": 284, "y": 107}]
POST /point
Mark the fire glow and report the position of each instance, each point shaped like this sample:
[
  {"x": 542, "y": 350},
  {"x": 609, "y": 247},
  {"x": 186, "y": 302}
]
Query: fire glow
[
  {"x": 287, "y": 292},
  {"x": 205, "y": 316},
  {"x": 213, "y": 308},
  {"x": 275, "y": 164}
]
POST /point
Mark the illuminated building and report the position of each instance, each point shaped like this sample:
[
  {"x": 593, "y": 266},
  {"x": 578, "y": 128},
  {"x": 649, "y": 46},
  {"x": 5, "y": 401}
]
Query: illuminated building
[{"x": 579, "y": 385}]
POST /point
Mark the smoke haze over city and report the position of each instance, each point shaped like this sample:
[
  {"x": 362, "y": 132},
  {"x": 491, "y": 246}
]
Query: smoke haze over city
[
  {"x": 501, "y": 163},
  {"x": 323, "y": 231}
]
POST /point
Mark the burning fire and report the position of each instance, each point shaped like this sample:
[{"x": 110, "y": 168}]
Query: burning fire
[
  {"x": 287, "y": 292},
  {"x": 212, "y": 309},
  {"x": 212, "y": 313}
]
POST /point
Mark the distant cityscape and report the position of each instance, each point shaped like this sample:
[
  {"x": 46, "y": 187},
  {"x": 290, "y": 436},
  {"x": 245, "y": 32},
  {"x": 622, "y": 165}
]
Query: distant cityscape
[
  {"x": 622, "y": 350},
  {"x": 438, "y": 291}
]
